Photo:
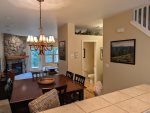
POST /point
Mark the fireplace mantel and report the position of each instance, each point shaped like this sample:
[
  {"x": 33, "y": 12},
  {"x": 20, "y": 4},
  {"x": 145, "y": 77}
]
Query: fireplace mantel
[{"x": 17, "y": 57}]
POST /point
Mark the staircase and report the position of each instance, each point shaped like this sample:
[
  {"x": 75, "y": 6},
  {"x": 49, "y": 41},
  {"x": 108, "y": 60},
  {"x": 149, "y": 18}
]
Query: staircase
[{"x": 141, "y": 19}]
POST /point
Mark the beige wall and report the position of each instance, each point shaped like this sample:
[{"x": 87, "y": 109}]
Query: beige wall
[
  {"x": 118, "y": 76},
  {"x": 74, "y": 47},
  {"x": 63, "y": 36}
]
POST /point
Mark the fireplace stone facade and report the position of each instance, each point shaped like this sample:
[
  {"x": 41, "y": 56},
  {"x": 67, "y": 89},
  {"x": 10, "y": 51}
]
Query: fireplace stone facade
[{"x": 15, "y": 46}]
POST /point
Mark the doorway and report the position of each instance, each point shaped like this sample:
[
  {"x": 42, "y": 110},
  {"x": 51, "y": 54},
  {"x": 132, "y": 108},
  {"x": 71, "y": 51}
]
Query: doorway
[{"x": 89, "y": 61}]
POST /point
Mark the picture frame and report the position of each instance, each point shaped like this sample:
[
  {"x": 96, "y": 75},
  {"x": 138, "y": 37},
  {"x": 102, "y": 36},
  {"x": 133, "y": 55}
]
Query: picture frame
[
  {"x": 123, "y": 51},
  {"x": 101, "y": 53},
  {"x": 62, "y": 50},
  {"x": 84, "y": 53}
]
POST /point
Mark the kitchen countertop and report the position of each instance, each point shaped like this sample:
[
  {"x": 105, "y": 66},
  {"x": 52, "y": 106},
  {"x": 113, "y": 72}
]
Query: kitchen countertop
[{"x": 130, "y": 100}]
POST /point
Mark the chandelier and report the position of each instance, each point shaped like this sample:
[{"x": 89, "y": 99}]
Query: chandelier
[{"x": 41, "y": 43}]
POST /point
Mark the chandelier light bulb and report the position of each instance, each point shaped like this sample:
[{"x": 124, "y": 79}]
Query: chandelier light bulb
[
  {"x": 44, "y": 39},
  {"x": 53, "y": 40},
  {"x": 50, "y": 39},
  {"x": 35, "y": 39},
  {"x": 40, "y": 38},
  {"x": 28, "y": 39},
  {"x": 32, "y": 39}
]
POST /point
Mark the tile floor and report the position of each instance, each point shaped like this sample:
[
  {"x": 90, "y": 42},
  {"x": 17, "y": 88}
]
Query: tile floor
[{"x": 131, "y": 100}]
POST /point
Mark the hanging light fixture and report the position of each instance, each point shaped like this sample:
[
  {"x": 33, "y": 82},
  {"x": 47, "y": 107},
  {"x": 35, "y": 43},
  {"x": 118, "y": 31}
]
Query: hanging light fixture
[{"x": 41, "y": 43}]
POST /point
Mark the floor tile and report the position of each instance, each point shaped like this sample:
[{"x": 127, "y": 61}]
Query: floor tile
[
  {"x": 116, "y": 97},
  {"x": 92, "y": 104},
  {"x": 133, "y": 106},
  {"x": 144, "y": 87},
  {"x": 70, "y": 108},
  {"x": 132, "y": 91},
  {"x": 110, "y": 109},
  {"x": 144, "y": 97}
]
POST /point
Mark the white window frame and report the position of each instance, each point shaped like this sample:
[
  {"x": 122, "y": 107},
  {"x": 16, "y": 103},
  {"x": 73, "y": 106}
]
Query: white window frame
[
  {"x": 31, "y": 61},
  {"x": 52, "y": 57}
]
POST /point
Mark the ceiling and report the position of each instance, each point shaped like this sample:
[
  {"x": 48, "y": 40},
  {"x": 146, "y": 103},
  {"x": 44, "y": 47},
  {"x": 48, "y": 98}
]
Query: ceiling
[{"x": 22, "y": 16}]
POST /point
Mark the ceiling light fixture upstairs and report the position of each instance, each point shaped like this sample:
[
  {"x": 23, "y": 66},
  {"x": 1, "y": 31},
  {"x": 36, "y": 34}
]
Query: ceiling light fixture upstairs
[{"x": 41, "y": 43}]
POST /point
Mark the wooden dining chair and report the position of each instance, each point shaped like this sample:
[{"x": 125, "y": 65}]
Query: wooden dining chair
[
  {"x": 45, "y": 73},
  {"x": 46, "y": 101},
  {"x": 36, "y": 74},
  {"x": 62, "y": 94},
  {"x": 69, "y": 74},
  {"x": 80, "y": 79},
  {"x": 11, "y": 74},
  {"x": 8, "y": 88}
]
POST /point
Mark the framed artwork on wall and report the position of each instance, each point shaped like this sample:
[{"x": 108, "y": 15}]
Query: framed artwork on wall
[
  {"x": 101, "y": 53},
  {"x": 62, "y": 50},
  {"x": 123, "y": 51}
]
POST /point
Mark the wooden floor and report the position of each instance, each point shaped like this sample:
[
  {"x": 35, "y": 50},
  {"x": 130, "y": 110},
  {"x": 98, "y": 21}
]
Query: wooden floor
[{"x": 88, "y": 91}]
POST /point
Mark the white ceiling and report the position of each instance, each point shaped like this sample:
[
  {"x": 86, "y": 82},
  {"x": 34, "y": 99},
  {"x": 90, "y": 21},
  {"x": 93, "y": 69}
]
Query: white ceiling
[{"x": 22, "y": 16}]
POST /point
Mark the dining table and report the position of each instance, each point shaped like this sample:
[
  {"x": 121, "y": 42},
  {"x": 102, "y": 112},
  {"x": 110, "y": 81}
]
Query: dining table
[{"x": 27, "y": 88}]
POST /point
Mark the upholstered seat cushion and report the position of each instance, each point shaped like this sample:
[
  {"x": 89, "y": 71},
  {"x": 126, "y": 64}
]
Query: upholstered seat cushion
[
  {"x": 46, "y": 101},
  {"x": 98, "y": 88}
]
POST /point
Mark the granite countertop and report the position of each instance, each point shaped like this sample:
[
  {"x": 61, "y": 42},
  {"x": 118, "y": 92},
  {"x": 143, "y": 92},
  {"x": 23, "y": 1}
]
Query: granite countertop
[{"x": 130, "y": 100}]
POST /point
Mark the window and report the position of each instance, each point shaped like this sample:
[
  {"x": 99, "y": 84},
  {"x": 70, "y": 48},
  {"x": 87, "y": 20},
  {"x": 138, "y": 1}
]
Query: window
[
  {"x": 51, "y": 56},
  {"x": 34, "y": 58},
  {"x": 135, "y": 15},
  {"x": 140, "y": 16},
  {"x": 144, "y": 16}
]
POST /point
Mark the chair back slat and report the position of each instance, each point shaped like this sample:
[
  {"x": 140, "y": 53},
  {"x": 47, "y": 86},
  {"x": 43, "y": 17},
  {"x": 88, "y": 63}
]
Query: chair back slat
[
  {"x": 69, "y": 74},
  {"x": 80, "y": 79}
]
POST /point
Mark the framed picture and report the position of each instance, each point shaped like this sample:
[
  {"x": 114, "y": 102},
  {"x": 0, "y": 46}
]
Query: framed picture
[
  {"x": 101, "y": 53},
  {"x": 123, "y": 51},
  {"x": 62, "y": 50}
]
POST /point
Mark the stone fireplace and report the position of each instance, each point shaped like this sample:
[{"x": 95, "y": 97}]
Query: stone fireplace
[
  {"x": 17, "y": 63},
  {"x": 17, "y": 67},
  {"x": 15, "y": 53}
]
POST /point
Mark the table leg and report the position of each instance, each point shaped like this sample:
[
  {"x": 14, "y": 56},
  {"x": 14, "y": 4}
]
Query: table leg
[{"x": 81, "y": 94}]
